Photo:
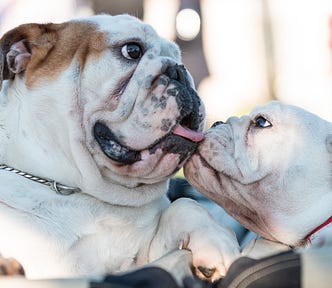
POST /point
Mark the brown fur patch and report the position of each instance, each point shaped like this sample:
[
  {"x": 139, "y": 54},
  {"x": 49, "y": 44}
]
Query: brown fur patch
[
  {"x": 53, "y": 47},
  {"x": 9, "y": 266}
]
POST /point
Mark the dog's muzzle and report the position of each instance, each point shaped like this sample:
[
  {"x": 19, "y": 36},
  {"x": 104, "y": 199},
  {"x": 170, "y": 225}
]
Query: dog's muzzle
[{"x": 182, "y": 139}]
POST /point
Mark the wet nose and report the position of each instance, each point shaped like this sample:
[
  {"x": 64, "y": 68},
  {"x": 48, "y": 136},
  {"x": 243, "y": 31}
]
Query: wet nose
[
  {"x": 188, "y": 101},
  {"x": 171, "y": 72},
  {"x": 179, "y": 73}
]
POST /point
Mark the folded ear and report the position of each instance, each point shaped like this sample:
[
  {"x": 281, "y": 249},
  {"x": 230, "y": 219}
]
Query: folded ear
[
  {"x": 18, "y": 57},
  {"x": 16, "y": 48}
]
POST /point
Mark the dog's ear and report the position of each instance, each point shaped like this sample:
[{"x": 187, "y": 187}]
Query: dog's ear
[
  {"x": 17, "y": 45},
  {"x": 329, "y": 143}
]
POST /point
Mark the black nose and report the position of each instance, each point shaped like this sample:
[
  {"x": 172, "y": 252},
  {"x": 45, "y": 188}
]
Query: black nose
[
  {"x": 179, "y": 73},
  {"x": 217, "y": 123},
  {"x": 186, "y": 97},
  {"x": 172, "y": 72}
]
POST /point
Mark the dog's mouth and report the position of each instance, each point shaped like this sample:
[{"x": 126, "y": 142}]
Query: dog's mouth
[{"x": 181, "y": 140}]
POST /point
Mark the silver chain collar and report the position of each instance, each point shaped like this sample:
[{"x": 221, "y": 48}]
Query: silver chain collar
[{"x": 55, "y": 186}]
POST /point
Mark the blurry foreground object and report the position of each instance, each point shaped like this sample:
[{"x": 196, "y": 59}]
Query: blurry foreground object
[{"x": 10, "y": 267}]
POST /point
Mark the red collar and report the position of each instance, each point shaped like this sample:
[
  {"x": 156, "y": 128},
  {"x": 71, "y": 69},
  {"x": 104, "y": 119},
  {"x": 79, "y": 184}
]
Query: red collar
[{"x": 328, "y": 221}]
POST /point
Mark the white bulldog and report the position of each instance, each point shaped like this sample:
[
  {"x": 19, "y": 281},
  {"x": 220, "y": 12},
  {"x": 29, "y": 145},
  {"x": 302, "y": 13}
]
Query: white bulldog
[
  {"x": 272, "y": 171},
  {"x": 95, "y": 116}
]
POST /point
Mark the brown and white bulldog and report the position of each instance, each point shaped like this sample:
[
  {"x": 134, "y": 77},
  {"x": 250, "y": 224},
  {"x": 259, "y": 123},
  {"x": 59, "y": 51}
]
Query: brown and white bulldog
[
  {"x": 96, "y": 114},
  {"x": 272, "y": 171}
]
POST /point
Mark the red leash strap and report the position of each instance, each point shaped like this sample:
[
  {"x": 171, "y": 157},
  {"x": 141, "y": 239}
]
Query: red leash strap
[{"x": 328, "y": 221}]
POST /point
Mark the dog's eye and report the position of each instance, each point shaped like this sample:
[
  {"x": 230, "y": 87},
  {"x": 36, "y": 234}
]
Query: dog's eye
[
  {"x": 131, "y": 51},
  {"x": 261, "y": 122}
]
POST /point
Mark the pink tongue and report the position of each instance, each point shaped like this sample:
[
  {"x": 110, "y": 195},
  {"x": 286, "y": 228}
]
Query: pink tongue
[{"x": 187, "y": 133}]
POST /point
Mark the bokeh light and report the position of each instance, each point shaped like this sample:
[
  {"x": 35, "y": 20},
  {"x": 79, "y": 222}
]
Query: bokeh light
[{"x": 188, "y": 24}]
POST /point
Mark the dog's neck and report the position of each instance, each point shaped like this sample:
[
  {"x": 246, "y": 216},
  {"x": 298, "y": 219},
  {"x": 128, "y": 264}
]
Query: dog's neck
[
  {"x": 55, "y": 186},
  {"x": 25, "y": 136}
]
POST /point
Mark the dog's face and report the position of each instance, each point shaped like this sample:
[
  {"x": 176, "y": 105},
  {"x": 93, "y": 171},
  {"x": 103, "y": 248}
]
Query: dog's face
[
  {"x": 122, "y": 106},
  {"x": 271, "y": 170}
]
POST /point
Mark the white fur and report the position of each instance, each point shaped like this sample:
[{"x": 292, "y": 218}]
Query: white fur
[
  {"x": 275, "y": 180},
  {"x": 121, "y": 219}
]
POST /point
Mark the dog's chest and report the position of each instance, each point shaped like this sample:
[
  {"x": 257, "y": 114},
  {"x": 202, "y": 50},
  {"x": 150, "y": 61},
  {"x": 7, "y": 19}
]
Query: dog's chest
[{"x": 71, "y": 236}]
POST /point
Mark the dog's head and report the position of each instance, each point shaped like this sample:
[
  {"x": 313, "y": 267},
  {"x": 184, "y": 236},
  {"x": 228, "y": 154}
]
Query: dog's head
[
  {"x": 271, "y": 170},
  {"x": 102, "y": 101}
]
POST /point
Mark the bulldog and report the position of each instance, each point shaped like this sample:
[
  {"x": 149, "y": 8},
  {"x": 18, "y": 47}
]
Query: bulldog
[
  {"x": 97, "y": 114},
  {"x": 272, "y": 171}
]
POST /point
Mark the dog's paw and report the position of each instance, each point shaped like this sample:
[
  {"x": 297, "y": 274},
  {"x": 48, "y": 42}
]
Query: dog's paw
[
  {"x": 212, "y": 252},
  {"x": 9, "y": 267},
  {"x": 187, "y": 225}
]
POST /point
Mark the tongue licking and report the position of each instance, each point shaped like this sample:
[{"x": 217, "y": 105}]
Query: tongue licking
[{"x": 187, "y": 133}]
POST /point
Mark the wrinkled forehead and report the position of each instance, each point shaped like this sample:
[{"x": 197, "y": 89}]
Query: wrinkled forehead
[{"x": 125, "y": 28}]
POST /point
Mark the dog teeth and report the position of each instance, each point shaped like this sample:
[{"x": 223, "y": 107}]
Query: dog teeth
[
  {"x": 116, "y": 150},
  {"x": 113, "y": 149}
]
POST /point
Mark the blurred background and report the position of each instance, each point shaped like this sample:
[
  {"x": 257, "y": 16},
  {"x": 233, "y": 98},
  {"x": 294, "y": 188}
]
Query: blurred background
[{"x": 241, "y": 53}]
